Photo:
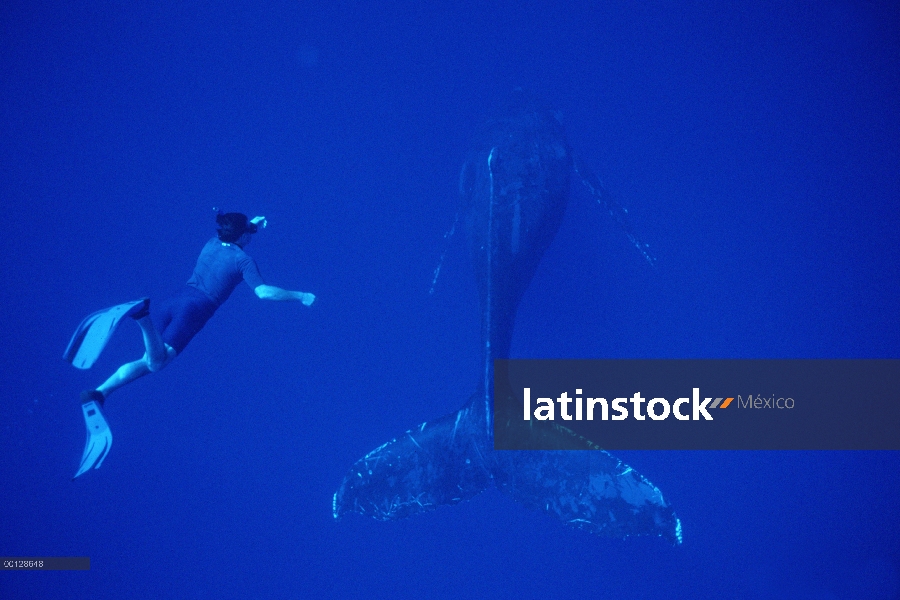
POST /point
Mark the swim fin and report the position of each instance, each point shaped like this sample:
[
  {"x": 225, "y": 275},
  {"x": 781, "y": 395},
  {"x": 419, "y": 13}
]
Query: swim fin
[
  {"x": 99, "y": 438},
  {"x": 91, "y": 336}
]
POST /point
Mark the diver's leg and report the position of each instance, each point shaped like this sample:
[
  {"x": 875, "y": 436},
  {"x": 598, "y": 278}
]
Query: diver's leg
[
  {"x": 158, "y": 355},
  {"x": 157, "y": 352},
  {"x": 124, "y": 375}
]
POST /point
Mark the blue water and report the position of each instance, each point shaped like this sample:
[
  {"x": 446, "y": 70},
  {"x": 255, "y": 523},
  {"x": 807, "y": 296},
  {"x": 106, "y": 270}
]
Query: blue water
[{"x": 757, "y": 150}]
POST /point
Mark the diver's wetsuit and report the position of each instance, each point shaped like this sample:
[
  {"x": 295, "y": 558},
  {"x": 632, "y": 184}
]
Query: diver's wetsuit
[{"x": 220, "y": 268}]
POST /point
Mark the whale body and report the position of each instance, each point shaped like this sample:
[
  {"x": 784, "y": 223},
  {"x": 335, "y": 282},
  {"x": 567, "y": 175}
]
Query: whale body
[{"x": 514, "y": 188}]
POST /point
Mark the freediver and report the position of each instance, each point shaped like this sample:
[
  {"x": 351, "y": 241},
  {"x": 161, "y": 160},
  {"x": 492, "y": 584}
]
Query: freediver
[{"x": 221, "y": 266}]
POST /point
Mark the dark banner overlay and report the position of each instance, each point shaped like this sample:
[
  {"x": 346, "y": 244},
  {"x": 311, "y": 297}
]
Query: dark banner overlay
[
  {"x": 697, "y": 404},
  {"x": 45, "y": 563}
]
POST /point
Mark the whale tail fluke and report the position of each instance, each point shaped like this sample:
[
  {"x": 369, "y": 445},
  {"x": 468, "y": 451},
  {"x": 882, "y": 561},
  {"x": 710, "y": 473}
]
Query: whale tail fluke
[
  {"x": 587, "y": 489},
  {"x": 452, "y": 459},
  {"x": 441, "y": 462}
]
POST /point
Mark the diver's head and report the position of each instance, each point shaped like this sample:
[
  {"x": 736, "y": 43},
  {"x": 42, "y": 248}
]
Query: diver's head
[{"x": 235, "y": 228}]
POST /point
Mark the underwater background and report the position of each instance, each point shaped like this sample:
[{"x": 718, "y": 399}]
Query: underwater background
[{"x": 756, "y": 146}]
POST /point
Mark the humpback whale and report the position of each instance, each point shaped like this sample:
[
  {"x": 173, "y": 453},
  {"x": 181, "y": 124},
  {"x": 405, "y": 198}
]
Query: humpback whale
[{"x": 514, "y": 188}]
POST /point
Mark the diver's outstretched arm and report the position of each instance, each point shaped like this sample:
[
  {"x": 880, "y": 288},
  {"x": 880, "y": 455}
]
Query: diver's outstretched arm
[
  {"x": 270, "y": 292},
  {"x": 616, "y": 211}
]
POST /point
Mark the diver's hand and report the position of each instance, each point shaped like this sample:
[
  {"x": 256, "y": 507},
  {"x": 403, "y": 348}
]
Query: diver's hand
[
  {"x": 260, "y": 222},
  {"x": 308, "y": 299}
]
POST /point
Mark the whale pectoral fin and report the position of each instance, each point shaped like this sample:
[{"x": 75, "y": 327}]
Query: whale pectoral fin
[
  {"x": 587, "y": 489},
  {"x": 616, "y": 211},
  {"x": 437, "y": 463}
]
